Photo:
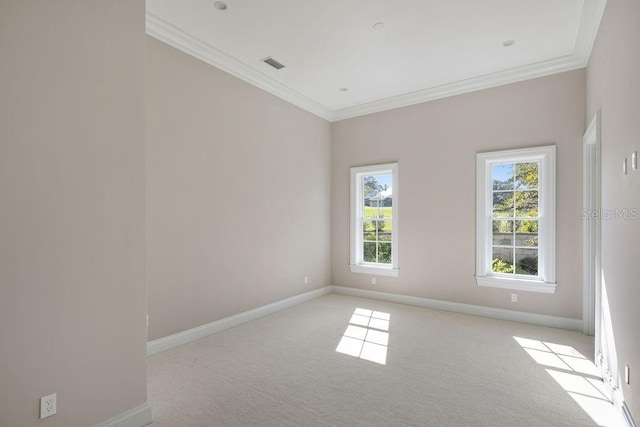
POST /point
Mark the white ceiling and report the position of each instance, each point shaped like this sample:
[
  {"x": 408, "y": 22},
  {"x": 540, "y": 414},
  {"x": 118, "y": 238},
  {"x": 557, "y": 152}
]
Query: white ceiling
[{"x": 427, "y": 49}]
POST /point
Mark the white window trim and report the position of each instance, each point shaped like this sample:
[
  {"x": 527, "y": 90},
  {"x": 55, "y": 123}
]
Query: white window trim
[
  {"x": 546, "y": 280},
  {"x": 357, "y": 265}
]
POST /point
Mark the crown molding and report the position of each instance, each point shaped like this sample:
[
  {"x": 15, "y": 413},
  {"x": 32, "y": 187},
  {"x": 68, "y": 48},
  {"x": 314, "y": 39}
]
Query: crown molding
[
  {"x": 514, "y": 75},
  {"x": 592, "y": 12},
  {"x": 163, "y": 30},
  {"x": 175, "y": 36}
]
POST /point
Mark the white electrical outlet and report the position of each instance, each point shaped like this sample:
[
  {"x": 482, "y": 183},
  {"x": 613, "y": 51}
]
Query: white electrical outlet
[
  {"x": 48, "y": 405},
  {"x": 626, "y": 374},
  {"x": 373, "y": 280},
  {"x": 514, "y": 297},
  {"x": 634, "y": 160},
  {"x": 306, "y": 280}
]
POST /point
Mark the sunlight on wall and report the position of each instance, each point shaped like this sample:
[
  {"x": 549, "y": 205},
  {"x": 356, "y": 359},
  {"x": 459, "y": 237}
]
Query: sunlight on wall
[
  {"x": 366, "y": 336},
  {"x": 577, "y": 375}
]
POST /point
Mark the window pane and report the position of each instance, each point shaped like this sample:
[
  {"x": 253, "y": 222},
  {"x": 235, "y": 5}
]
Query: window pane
[
  {"x": 502, "y": 260},
  {"x": 526, "y": 203},
  {"x": 384, "y": 229},
  {"x": 369, "y": 252},
  {"x": 377, "y": 191},
  {"x": 527, "y": 176},
  {"x": 370, "y": 211},
  {"x": 385, "y": 193},
  {"x": 370, "y": 185},
  {"x": 384, "y": 224},
  {"x": 369, "y": 236},
  {"x": 503, "y": 204},
  {"x": 527, "y": 261},
  {"x": 503, "y": 232},
  {"x": 385, "y": 236},
  {"x": 374, "y": 229},
  {"x": 368, "y": 227},
  {"x": 374, "y": 202},
  {"x": 384, "y": 253},
  {"x": 527, "y": 232},
  {"x": 375, "y": 212},
  {"x": 502, "y": 176}
]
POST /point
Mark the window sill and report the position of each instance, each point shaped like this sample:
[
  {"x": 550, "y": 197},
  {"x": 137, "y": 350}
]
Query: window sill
[
  {"x": 375, "y": 271},
  {"x": 516, "y": 284}
]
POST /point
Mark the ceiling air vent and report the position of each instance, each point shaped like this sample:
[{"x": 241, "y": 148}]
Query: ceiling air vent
[{"x": 275, "y": 64}]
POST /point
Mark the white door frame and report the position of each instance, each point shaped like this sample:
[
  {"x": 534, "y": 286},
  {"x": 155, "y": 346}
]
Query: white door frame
[
  {"x": 591, "y": 308},
  {"x": 595, "y": 311}
]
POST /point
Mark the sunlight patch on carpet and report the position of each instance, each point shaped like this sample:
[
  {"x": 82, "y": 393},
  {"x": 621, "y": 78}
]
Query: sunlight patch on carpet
[
  {"x": 367, "y": 336},
  {"x": 576, "y": 374}
]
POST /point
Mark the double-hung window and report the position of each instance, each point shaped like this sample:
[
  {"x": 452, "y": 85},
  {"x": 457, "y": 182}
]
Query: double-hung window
[
  {"x": 374, "y": 219},
  {"x": 516, "y": 219}
]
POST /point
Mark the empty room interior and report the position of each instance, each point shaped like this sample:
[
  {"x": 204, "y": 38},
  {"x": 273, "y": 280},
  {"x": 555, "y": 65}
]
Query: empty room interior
[{"x": 302, "y": 213}]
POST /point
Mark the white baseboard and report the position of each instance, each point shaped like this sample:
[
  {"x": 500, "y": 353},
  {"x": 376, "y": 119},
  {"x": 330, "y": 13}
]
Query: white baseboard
[
  {"x": 136, "y": 417},
  {"x": 622, "y": 413},
  {"x": 190, "y": 335},
  {"x": 184, "y": 337},
  {"x": 475, "y": 310},
  {"x": 626, "y": 415}
]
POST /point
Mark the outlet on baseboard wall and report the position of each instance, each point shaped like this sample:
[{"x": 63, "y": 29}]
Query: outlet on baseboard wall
[
  {"x": 48, "y": 405},
  {"x": 514, "y": 297},
  {"x": 373, "y": 280}
]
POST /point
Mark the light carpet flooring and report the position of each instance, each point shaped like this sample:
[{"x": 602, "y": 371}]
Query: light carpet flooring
[{"x": 441, "y": 369}]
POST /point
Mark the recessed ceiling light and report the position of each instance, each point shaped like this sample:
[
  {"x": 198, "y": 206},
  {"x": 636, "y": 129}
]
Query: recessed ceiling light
[
  {"x": 378, "y": 25},
  {"x": 343, "y": 89},
  {"x": 220, "y": 5},
  {"x": 508, "y": 43}
]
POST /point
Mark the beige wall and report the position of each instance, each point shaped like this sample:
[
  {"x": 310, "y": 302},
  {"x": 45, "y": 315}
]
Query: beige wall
[
  {"x": 238, "y": 194},
  {"x": 436, "y": 145},
  {"x": 72, "y": 216},
  {"x": 613, "y": 86}
]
